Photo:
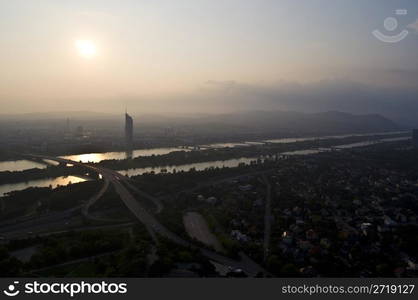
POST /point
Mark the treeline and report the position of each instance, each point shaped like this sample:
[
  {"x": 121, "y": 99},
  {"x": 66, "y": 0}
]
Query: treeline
[
  {"x": 36, "y": 200},
  {"x": 171, "y": 183},
  {"x": 56, "y": 250},
  {"x": 34, "y": 174}
]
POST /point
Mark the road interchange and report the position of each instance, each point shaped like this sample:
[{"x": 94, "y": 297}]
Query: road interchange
[{"x": 153, "y": 226}]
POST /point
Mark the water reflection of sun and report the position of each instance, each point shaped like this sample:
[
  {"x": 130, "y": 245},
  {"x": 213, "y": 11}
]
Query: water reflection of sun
[
  {"x": 62, "y": 181},
  {"x": 86, "y": 158}
]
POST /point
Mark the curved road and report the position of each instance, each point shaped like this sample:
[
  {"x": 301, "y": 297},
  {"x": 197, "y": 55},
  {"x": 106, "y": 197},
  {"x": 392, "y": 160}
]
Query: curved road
[
  {"x": 154, "y": 226},
  {"x": 92, "y": 200}
]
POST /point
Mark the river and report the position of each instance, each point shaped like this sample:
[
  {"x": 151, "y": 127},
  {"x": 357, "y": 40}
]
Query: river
[
  {"x": 97, "y": 157},
  {"x": 20, "y": 165},
  {"x": 53, "y": 182},
  {"x": 231, "y": 163}
]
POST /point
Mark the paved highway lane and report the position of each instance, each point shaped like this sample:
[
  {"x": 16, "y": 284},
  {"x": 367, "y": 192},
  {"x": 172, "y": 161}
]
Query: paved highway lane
[
  {"x": 153, "y": 226},
  {"x": 94, "y": 199}
]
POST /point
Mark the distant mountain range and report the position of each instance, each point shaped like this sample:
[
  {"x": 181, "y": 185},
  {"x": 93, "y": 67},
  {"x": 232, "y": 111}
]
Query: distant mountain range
[{"x": 332, "y": 121}]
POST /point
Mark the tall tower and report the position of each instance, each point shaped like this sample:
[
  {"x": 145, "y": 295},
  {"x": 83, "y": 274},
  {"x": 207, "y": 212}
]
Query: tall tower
[{"x": 129, "y": 130}]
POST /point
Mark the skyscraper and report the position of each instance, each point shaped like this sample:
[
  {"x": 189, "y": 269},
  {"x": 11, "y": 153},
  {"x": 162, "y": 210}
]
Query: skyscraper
[{"x": 129, "y": 130}]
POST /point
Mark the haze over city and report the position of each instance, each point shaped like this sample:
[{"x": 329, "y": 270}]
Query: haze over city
[
  {"x": 206, "y": 56},
  {"x": 207, "y": 138}
]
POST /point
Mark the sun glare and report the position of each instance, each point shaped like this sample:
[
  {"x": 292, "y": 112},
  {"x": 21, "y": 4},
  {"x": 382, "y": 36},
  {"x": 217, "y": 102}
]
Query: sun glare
[{"x": 86, "y": 48}]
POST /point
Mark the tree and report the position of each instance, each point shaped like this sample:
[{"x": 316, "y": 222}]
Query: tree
[{"x": 289, "y": 270}]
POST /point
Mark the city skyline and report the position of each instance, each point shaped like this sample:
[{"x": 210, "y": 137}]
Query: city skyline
[
  {"x": 207, "y": 139},
  {"x": 199, "y": 56}
]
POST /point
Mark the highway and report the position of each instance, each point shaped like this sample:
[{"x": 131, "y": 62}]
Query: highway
[
  {"x": 92, "y": 200},
  {"x": 157, "y": 202},
  {"x": 154, "y": 226}
]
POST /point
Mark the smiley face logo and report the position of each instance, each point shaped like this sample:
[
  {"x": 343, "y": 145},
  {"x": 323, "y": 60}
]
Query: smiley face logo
[
  {"x": 11, "y": 290},
  {"x": 391, "y": 24}
]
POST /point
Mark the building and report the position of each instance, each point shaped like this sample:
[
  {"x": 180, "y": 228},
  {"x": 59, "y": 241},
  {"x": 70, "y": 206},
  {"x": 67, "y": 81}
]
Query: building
[
  {"x": 415, "y": 138},
  {"x": 129, "y": 130}
]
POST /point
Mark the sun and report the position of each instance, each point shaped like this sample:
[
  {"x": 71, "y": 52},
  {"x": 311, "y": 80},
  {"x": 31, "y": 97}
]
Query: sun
[{"x": 86, "y": 48}]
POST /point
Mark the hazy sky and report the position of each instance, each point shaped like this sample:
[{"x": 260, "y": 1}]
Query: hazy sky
[{"x": 147, "y": 53}]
